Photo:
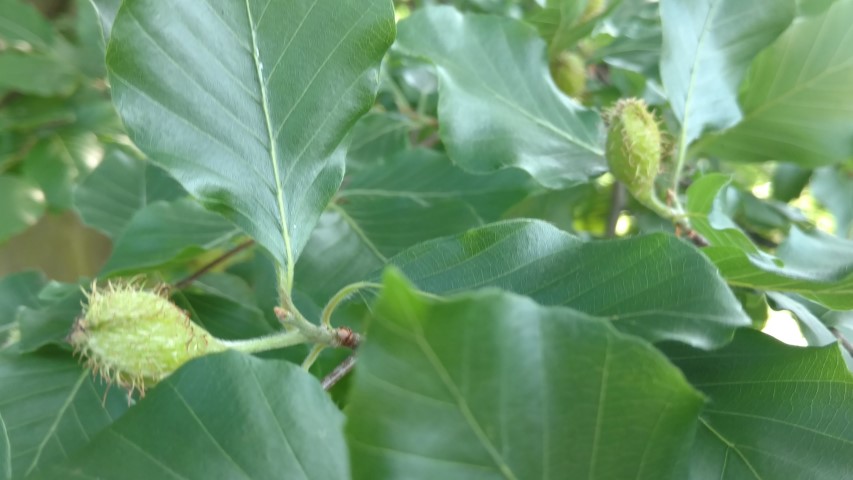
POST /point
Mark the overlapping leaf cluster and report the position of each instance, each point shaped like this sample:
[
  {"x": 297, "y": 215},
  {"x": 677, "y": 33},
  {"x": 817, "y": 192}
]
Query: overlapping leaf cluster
[{"x": 426, "y": 151}]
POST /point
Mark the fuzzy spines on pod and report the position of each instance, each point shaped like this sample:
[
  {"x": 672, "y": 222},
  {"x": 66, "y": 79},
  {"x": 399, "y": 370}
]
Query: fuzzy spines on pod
[
  {"x": 634, "y": 148},
  {"x": 569, "y": 73},
  {"x": 135, "y": 337}
]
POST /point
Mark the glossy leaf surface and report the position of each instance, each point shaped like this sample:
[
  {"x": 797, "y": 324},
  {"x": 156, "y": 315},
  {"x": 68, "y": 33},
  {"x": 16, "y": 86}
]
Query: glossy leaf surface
[
  {"x": 279, "y": 424},
  {"x": 245, "y": 103},
  {"x": 828, "y": 280},
  {"x": 707, "y": 48},
  {"x": 119, "y": 187},
  {"x": 52, "y": 408},
  {"x": 509, "y": 389},
  {"x": 747, "y": 432},
  {"x": 498, "y": 106},
  {"x": 415, "y": 196},
  {"x": 613, "y": 280},
  {"x": 164, "y": 231},
  {"x": 791, "y": 94}
]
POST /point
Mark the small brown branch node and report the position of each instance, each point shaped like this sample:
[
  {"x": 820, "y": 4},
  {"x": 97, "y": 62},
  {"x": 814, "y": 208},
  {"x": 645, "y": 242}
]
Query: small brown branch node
[{"x": 348, "y": 338}]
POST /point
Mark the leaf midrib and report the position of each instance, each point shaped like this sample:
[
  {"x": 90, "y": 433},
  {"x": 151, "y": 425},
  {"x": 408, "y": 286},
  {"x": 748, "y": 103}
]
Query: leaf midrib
[
  {"x": 285, "y": 284},
  {"x": 461, "y": 402},
  {"x": 682, "y": 141},
  {"x": 61, "y": 413},
  {"x": 729, "y": 446}
]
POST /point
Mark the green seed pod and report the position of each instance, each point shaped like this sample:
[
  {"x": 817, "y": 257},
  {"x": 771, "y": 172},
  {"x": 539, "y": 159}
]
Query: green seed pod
[
  {"x": 569, "y": 73},
  {"x": 135, "y": 337},
  {"x": 634, "y": 149}
]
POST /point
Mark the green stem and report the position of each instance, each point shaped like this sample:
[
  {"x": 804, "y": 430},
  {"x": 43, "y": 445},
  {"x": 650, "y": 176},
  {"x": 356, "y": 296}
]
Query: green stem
[
  {"x": 312, "y": 356},
  {"x": 680, "y": 160},
  {"x": 400, "y": 99},
  {"x": 653, "y": 203},
  {"x": 329, "y": 309},
  {"x": 313, "y": 333},
  {"x": 269, "y": 342}
]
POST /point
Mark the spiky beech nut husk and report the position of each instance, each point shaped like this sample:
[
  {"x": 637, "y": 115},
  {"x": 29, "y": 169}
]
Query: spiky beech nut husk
[
  {"x": 569, "y": 73},
  {"x": 135, "y": 337},
  {"x": 634, "y": 148},
  {"x": 593, "y": 9}
]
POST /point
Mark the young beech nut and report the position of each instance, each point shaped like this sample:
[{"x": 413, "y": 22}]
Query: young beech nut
[
  {"x": 135, "y": 337},
  {"x": 569, "y": 73},
  {"x": 634, "y": 149}
]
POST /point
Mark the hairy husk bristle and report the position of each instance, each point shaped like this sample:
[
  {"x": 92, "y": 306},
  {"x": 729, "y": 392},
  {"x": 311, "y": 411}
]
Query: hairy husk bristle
[
  {"x": 634, "y": 147},
  {"x": 135, "y": 337}
]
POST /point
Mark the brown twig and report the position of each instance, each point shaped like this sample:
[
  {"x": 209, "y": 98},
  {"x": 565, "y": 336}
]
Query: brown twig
[
  {"x": 431, "y": 141},
  {"x": 695, "y": 237},
  {"x": 339, "y": 372},
  {"x": 216, "y": 261},
  {"x": 842, "y": 340}
]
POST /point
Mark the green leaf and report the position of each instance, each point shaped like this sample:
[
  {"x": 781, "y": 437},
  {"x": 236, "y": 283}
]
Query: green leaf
[
  {"x": 789, "y": 181},
  {"x": 23, "y": 204},
  {"x": 24, "y": 113},
  {"x": 224, "y": 317},
  {"x": 107, "y": 11},
  {"x": 813, "y": 7},
  {"x": 90, "y": 45},
  {"x": 22, "y": 22},
  {"x": 258, "y": 271},
  {"x": 820, "y": 255},
  {"x": 497, "y": 103},
  {"x": 562, "y": 23},
  {"x": 833, "y": 188},
  {"x": 278, "y": 423},
  {"x": 636, "y": 44},
  {"x": 46, "y": 165},
  {"x": 491, "y": 385},
  {"x": 814, "y": 331},
  {"x": 52, "y": 407},
  {"x": 162, "y": 232},
  {"x": 644, "y": 285},
  {"x": 118, "y": 188},
  {"x": 791, "y": 94},
  {"x": 50, "y": 320},
  {"x": 5, "y": 452},
  {"x": 245, "y": 103},
  {"x": 814, "y": 265},
  {"x": 416, "y": 196},
  {"x": 426, "y": 176},
  {"x": 707, "y": 48},
  {"x": 774, "y": 411},
  {"x": 813, "y": 326},
  {"x": 375, "y": 137},
  {"x": 387, "y": 226},
  {"x": 335, "y": 256},
  {"x": 17, "y": 291},
  {"x": 35, "y": 59},
  {"x": 35, "y": 74}
]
